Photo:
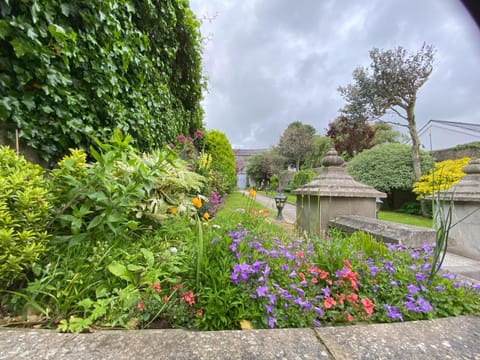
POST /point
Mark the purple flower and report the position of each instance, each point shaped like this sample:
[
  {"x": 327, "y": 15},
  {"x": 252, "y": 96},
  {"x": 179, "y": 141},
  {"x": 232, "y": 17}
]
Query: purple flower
[
  {"x": 326, "y": 291},
  {"x": 373, "y": 270},
  {"x": 388, "y": 267},
  {"x": 284, "y": 267},
  {"x": 271, "y": 322},
  {"x": 269, "y": 309},
  {"x": 476, "y": 286},
  {"x": 448, "y": 276},
  {"x": 316, "y": 323},
  {"x": 272, "y": 298},
  {"x": 262, "y": 291},
  {"x": 214, "y": 240},
  {"x": 420, "y": 277},
  {"x": 425, "y": 267},
  {"x": 440, "y": 288},
  {"x": 318, "y": 310},
  {"x": 424, "y": 305},
  {"x": 413, "y": 289},
  {"x": 293, "y": 274},
  {"x": 392, "y": 312}
]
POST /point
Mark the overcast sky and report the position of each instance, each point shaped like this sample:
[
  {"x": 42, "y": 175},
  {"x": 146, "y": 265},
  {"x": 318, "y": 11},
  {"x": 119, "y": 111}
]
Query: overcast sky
[{"x": 272, "y": 62}]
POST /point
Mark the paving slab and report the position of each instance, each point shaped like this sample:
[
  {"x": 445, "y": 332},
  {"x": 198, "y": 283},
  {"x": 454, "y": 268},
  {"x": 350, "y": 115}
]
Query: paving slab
[
  {"x": 162, "y": 344},
  {"x": 447, "y": 338}
]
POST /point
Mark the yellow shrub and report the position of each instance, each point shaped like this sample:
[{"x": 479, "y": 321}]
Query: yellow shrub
[{"x": 445, "y": 174}]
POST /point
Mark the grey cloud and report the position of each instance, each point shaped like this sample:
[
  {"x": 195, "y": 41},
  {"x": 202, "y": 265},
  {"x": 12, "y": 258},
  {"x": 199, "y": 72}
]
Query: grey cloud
[{"x": 271, "y": 62}]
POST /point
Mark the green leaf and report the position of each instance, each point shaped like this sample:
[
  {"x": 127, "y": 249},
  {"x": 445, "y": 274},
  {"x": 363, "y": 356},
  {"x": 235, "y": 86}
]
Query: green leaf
[
  {"x": 4, "y": 29},
  {"x": 120, "y": 271},
  {"x": 21, "y": 48},
  {"x": 148, "y": 255}
]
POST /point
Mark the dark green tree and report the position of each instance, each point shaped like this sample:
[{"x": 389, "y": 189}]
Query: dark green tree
[
  {"x": 390, "y": 84},
  {"x": 296, "y": 142},
  {"x": 321, "y": 145}
]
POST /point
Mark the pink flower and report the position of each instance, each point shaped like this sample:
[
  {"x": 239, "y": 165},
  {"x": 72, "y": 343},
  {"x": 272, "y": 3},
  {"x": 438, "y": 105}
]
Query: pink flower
[
  {"x": 140, "y": 306},
  {"x": 188, "y": 298},
  {"x": 182, "y": 139},
  {"x": 157, "y": 287},
  {"x": 329, "y": 302},
  {"x": 198, "y": 134},
  {"x": 367, "y": 306},
  {"x": 199, "y": 312}
]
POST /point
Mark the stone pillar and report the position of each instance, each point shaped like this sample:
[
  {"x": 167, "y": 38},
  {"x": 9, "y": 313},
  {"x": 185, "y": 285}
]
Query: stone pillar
[
  {"x": 464, "y": 236},
  {"x": 333, "y": 193}
]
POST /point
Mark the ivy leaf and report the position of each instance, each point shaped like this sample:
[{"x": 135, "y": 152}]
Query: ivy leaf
[
  {"x": 21, "y": 48},
  {"x": 57, "y": 32}
]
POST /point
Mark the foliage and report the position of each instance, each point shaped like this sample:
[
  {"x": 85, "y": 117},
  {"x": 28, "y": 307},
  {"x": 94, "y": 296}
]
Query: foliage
[
  {"x": 350, "y": 138},
  {"x": 223, "y": 178},
  {"x": 443, "y": 176},
  {"x": 387, "y": 167},
  {"x": 24, "y": 214},
  {"x": 472, "y": 145},
  {"x": 390, "y": 84},
  {"x": 259, "y": 168},
  {"x": 71, "y": 70},
  {"x": 110, "y": 240},
  {"x": 385, "y": 134},
  {"x": 321, "y": 145},
  {"x": 300, "y": 178},
  {"x": 296, "y": 142}
]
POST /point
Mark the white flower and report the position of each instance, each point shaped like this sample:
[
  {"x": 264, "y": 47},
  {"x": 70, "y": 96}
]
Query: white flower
[{"x": 173, "y": 250}]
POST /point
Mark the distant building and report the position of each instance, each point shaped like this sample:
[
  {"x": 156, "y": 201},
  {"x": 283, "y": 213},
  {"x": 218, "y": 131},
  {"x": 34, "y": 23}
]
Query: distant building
[
  {"x": 241, "y": 161},
  {"x": 441, "y": 134}
]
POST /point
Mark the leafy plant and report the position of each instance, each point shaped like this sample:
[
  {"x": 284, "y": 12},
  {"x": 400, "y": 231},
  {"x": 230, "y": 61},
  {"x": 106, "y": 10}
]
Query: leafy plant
[
  {"x": 71, "y": 70},
  {"x": 24, "y": 213}
]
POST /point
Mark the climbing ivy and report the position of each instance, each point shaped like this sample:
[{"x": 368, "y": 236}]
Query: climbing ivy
[{"x": 70, "y": 69}]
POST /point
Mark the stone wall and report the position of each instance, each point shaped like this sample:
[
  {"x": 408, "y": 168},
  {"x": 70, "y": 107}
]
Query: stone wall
[{"x": 453, "y": 154}]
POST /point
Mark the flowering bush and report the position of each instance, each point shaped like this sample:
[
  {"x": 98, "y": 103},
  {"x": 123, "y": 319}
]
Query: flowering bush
[{"x": 275, "y": 282}]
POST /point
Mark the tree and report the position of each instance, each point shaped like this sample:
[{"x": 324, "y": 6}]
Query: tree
[
  {"x": 72, "y": 69},
  {"x": 296, "y": 142},
  {"x": 223, "y": 160},
  {"x": 385, "y": 134},
  {"x": 259, "y": 167},
  {"x": 350, "y": 138},
  {"x": 387, "y": 167},
  {"x": 390, "y": 84},
  {"x": 321, "y": 145}
]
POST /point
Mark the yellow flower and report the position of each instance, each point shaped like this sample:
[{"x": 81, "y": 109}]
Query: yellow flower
[
  {"x": 252, "y": 193},
  {"x": 173, "y": 210},
  {"x": 206, "y": 216},
  {"x": 197, "y": 202}
]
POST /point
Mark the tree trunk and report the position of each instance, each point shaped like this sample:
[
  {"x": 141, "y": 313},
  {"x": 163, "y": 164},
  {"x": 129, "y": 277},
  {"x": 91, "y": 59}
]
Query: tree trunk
[
  {"x": 412, "y": 128},
  {"x": 417, "y": 168}
]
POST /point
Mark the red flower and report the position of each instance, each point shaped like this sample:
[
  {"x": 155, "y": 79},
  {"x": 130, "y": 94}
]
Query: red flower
[
  {"x": 188, "y": 298},
  {"x": 176, "y": 287},
  {"x": 165, "y": 298},
  {"x": 300, "y": 254},
  {"x": 352, "y": 298},
  {"x": 314, "y": 280},
  {"x": 157, "y": 287},
  {"x": 199, "y": 312},
  {"x": 140, "y": 306},
  {"x": 329, "y": 302},
  {"x": 322, "y": 274},
  {"x": 349, "y": 317},
  {"x": 367, "y": 306},
  {"x": 302, "y": 275},
  {"x": 341, "y": 298}
]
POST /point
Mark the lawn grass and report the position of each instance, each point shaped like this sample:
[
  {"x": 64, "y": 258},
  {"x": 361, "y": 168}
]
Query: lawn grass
[
  {"x": 403, "y": 218},
  {"x": 237, "y": 200}
]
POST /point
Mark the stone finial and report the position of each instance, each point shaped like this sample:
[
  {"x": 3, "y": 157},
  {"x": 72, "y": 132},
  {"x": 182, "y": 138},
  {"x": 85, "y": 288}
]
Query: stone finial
[
  {"x": 473, "y": 167},
  {"x": 332, "y": 159}
]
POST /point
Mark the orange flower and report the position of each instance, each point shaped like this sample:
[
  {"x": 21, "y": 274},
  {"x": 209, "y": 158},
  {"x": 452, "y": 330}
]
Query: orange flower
[
  {"x": 197, "y": 202},
  {"x": 252, "y": 193},
  {"x": 206, "y": 216},
  {"x": 173, "y": 210}
]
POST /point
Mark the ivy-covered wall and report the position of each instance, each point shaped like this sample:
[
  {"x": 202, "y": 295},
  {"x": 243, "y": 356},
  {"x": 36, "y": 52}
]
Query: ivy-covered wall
[{"x": 74, "y": 68}]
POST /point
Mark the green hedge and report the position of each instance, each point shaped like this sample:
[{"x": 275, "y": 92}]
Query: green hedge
[{"x": 71, "y": 69}]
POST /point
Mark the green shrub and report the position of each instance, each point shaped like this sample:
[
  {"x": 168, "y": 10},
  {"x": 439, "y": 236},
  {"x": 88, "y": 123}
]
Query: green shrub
[
  {"x": 24, "y": 215},
  {"x": 223, "y": 177},
  {"x": 300, "y": 178}
]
